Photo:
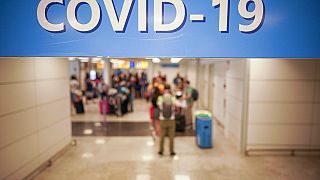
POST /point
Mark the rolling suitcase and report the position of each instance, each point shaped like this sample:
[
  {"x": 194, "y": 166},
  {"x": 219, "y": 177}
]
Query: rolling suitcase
[
  {"x": 104, "y": 107},
  {"x": 180, "y": 122},
  {"x": 79, "y": 107}
]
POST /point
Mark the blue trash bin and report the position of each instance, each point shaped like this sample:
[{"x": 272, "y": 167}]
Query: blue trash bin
[{"x": 204, "y": 131}]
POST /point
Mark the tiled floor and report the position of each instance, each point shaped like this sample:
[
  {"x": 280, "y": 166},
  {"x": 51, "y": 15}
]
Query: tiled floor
[
  {"x": 135, "y": 158},
  {"x": 118, "y": 129}
]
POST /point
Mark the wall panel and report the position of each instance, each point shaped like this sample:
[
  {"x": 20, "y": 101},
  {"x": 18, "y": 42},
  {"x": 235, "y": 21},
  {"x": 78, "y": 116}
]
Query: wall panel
[
  {"x": 16, "y": 70},
  {"x": 279, "y": 134},
  {"x": 49, "y": 136},
  {"x": 318, "y": 69},
  {"x": 316, "y": 113},
  {"x": 51, "y": 68},
  {"x": 22, "y": 124},
  {"x": 316, "y": 136},
  {"x": 16, "y": 97},
  {"x": 34, "y": 113},
  {"x": 47, "y": 114},
  {"x": 283, "y": 69},
  {"x": 280, "y": 113},
  {"x": 283, "y": 108},
  {"x": 52, "y": 90},
  {"x": 17, "y": 155},
  {"x": 234, "y": 91},
  {"x": 282, "y": 91}
]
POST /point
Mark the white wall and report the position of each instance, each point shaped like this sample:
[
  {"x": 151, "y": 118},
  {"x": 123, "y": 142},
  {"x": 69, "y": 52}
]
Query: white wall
[
  {"x": 235, "y": 87},
  {"x": 191, "y": 71},
  {"x": 284, "y": 104},
  {"x": 220, "y": 91},
  {"x": 34, "y": 113},
  {"x": 228, "y": 102},
  {"x": 172, "y": 72}
]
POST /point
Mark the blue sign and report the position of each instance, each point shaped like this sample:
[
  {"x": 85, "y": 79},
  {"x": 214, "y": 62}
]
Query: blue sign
[
  {"x": 161, "y": 28},
  {"x": 171, "y": 65}
]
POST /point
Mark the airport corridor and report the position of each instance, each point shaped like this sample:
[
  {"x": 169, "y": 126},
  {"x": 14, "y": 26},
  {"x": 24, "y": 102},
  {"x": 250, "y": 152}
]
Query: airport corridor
[{"x": 118, "y": 156}]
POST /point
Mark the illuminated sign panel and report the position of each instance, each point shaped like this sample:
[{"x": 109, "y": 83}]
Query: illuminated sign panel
[{"x": 161, "y": 28}]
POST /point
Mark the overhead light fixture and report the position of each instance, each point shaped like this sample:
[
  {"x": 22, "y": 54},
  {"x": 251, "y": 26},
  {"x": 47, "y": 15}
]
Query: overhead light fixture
[
  {"x": 156, "y": 60},
  {"x": 72, "y": 58},
  {"x": 121, "y": 61},
  {"x": 175, "y": 60},
  {"x": 114, "y": 61},
  {"x": 96, "y": 59},
  {"x": 84, "y": 59}
]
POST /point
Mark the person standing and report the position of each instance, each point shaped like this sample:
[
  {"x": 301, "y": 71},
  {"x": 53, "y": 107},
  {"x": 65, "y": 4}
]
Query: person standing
[
  {"x": 89, "y": 90},
  {"x": 143, "y": 83},
  {"x": 188, "y": 97},
  {"x": 167, "y": 122}
]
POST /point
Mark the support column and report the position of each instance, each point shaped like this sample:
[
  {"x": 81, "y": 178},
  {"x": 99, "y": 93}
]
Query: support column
[{"x": 107, "y": 71}]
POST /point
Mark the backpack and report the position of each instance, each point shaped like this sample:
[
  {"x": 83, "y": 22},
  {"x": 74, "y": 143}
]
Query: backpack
[
  {"x": 195, "y": 94},
  {"x": 167, "y": 107}
]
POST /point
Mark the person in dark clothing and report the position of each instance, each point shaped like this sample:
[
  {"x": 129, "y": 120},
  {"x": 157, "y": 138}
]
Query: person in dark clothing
[
  {"x": 137, "y": 86},
  {"x": 155, "y": 93},
  {"x": 89, "y": 90},
  {"x": 143, "y": 83}
]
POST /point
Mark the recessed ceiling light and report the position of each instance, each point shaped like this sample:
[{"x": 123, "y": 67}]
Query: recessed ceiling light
[
  {"x": 175, "y": 60},
  {"x": 156, "y": 60}
]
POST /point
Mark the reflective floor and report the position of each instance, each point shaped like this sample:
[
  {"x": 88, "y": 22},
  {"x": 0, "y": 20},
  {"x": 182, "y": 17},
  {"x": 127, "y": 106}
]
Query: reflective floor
[
  {"x": 135, "y": 158},
  {"x": 121, "y": 158},
  {"x": 136, "y": 123}
]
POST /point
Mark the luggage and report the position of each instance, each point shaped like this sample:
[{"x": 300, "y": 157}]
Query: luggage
[
  {"x": 79, "y": 107},
  {"x": 180, "y": 122},
  {"x": 104, "y": 106},
  {"x": 124, "y": 106}
]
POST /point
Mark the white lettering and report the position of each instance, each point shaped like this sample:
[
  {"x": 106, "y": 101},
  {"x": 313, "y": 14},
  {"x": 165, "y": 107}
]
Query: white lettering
[
  {"x": 118, "y": 25},
  {"x": 223, "y": 18},
  {"x": 257, "y": 14},
  {"x": 42, "y": 18},
  {"x": 158, "y": 15},
  {"x": 142, "y": 15},
  {"x": 95, "y": 15}
]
